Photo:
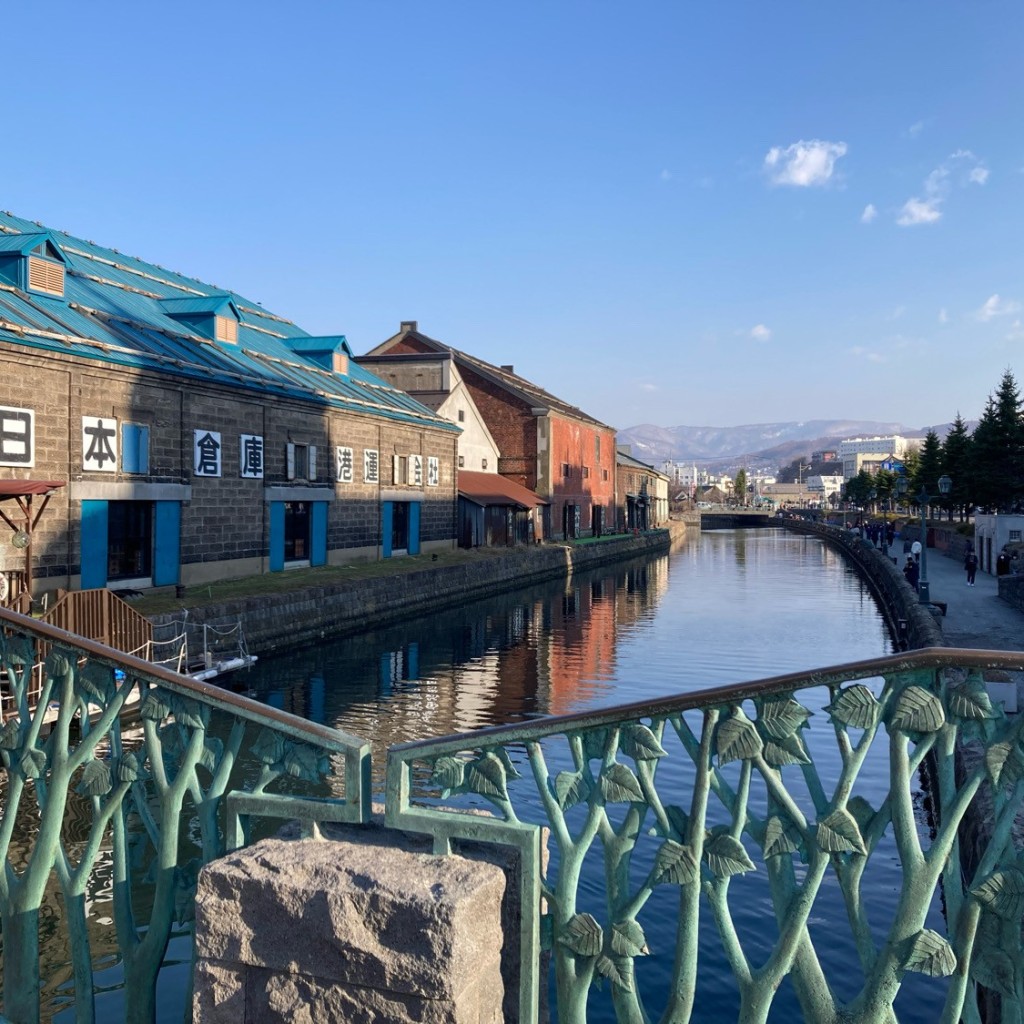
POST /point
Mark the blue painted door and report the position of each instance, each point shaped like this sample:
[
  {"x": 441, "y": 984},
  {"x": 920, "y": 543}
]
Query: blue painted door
[
  {"x": 387, "y": 524},
  {"x": 166, "y": 543},
  {"x": 94, "y": 544},
  {"x": 414, "y": 528},
  {"x": 276, "y": 536},
  {"x": 318, "y": 529}
]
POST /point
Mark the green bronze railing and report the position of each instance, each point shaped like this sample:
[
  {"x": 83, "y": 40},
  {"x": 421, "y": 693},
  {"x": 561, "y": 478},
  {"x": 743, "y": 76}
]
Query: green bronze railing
[
  {"x": 684, "y": 802},
  {"x": 109, "y": 758}
]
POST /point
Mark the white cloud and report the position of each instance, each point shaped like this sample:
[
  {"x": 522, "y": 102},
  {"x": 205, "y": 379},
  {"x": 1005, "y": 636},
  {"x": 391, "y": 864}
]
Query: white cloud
[
  {"x": 919, "y": 211},
  {"x": 760, "y": 333},
  {"x": 666, "y": 175},
  {"x": 915, "y": 129},
  {"x": 994, "y": 306},
  {"x": 943, "y": 316},
  {"x": 1016, "y": 332},
  {"x": 869, "y": 214},
  {"x": 961, "y": 169},
  {"x": 862, "y": 353},
  {"x": 706, "y": 182},
  {"x": 648, "y": 387},
  {"x": 804, "y": 163},
  {"x": 896, "y": 313}
]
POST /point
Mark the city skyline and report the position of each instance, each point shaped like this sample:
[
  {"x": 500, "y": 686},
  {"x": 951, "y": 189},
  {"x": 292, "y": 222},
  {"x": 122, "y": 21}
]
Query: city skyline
[{"x": 671, "y": 214}]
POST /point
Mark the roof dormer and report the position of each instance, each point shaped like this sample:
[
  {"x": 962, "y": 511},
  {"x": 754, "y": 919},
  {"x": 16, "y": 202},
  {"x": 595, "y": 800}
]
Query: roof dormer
[
  {"x": 33, "y": 261},
  {"x": 213, "y": 316},
  {"x": 330, "y": 352}
]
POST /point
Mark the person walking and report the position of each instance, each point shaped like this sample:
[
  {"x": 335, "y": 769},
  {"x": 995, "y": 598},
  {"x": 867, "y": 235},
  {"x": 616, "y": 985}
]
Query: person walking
[
  {"x": 971, "y": 565},
  {"x": 911, "y": 571}
]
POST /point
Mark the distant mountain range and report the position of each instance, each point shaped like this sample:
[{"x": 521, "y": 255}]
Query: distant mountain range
[{"x": 766, "y": 445}]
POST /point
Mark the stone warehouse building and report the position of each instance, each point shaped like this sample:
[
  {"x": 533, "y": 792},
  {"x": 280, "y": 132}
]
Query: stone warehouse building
[
  {"x": 546, "y": 445},
  {"x": 185, "y": 434}
]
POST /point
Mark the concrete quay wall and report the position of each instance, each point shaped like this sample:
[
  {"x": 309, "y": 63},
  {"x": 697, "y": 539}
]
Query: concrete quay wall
[{"x": 277, "y": 620}]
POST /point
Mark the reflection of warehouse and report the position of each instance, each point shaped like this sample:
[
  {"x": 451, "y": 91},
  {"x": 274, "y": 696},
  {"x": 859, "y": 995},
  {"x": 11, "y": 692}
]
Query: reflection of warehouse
[{"x": 197, "y": 435}]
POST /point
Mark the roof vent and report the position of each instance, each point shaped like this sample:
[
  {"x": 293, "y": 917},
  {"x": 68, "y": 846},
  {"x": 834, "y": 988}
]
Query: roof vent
[
  {"x": 509, "y": 368},
  {"x": 408, "y": 325},
  {"x": 211, "y": 316}
]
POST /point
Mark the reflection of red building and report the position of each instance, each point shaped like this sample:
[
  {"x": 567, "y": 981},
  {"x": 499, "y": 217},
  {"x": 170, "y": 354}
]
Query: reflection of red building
[
  {"x": 582, "y": 646},
  {"x": 545, "y": 444}
]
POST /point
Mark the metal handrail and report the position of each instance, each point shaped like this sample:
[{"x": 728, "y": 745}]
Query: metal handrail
[
  {"x": 66, "y": 739},
  {"x": 605, "y": 803}
]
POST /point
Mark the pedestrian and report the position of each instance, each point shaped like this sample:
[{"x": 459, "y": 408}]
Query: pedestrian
[
  {"x": 911, "y": 571},
  {"x": 971, "y": 565},
  {"x": 1002, "y": 563},
  {"x": 915, "y": 550}
]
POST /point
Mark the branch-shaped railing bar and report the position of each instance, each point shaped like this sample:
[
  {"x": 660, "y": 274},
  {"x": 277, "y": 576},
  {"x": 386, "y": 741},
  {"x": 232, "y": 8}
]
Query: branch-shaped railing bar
[
  {"x": 760, "y": 786},
  {"x": 192, "y": 751}
]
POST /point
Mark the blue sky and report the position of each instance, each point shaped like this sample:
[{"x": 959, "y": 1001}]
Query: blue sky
[{"x": 671, "y": 213}]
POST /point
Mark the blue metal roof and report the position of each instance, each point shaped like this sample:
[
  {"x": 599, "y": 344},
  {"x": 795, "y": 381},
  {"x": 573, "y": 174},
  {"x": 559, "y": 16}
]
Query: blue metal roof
[{"x": 118, "y": 308}]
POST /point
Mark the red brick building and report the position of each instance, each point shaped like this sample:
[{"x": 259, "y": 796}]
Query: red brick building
[{"x": 545, "y": 444}]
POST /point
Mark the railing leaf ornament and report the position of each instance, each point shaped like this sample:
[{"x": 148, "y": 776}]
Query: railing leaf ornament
[
  {"x": 701, "y": 792},
  {"x": 149, "y": 793},
  {"x": 929, "y": 953}
]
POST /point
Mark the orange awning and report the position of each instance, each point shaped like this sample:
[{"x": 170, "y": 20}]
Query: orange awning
[{"x": 493, "y": 489}]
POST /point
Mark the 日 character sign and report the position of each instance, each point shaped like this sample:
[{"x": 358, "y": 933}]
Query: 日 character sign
[{"x": 17, "y": 437}]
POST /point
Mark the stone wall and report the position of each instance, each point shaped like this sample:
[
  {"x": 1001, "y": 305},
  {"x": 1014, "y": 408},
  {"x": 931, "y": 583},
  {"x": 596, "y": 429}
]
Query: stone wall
[{"x": 276, "y": 620}]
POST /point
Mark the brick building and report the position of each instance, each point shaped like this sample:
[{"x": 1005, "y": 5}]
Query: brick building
[
  {"x": 642, "y": 493},
  {"x": 189, "y": 435},
  {"x": 545, "y": 444}
]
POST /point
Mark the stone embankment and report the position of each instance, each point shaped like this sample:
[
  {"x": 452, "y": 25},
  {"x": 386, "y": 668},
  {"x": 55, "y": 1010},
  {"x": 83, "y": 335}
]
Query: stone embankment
[{"x": 349, "y": 606}]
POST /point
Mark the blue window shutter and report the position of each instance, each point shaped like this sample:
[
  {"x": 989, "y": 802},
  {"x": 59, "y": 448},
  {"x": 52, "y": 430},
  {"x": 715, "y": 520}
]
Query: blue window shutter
[
  {"x": 276, "y": 536},
  {"x": 143, "y": 450},
  {"x": 387, "y": 524},
  {"x": 129, "y": 448},
  {"x": 318, "y": 528},
  {"x": 94, "y": 544},
  {"x": 414, "y": 528},
  {"x": 166, "y": 542},
  {"x": 134, "y": 448}
]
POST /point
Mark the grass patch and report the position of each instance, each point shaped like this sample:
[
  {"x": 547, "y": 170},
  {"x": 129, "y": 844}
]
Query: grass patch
[{"x": 293, "y": 580}]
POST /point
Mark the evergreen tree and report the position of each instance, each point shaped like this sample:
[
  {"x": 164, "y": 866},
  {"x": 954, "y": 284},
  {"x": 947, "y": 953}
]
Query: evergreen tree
[
  {"x": 956, "y": 463},
  {"x": 998, "y": 449},
  {"x": 740, "y": 487},
  {"x": 929, "y": 467}
]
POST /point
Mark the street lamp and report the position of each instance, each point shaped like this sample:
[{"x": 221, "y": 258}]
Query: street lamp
[{"x": 945, "y": 485}]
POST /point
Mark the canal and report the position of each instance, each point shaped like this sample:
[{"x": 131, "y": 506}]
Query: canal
[{"x": 723, "y": 607}]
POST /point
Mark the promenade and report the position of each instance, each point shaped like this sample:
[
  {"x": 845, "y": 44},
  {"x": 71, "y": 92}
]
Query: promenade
[{"x": 976, "y": 617}]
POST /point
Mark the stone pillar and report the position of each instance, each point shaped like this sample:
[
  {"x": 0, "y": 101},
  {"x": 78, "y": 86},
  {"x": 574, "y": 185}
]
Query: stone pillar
[{"x": 312, "y": 931}]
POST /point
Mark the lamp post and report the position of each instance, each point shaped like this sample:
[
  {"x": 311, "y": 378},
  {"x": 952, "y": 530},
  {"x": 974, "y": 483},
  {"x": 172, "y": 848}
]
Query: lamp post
[{"x": 945, "y": 485}]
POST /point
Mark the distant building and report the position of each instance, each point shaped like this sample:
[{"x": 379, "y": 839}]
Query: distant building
[
  {"x": 859, "y": 453},
  {"x": 642, "y": 493},
  {"x": 825, "y": 486},
  {"x": 825, "y": 455}
]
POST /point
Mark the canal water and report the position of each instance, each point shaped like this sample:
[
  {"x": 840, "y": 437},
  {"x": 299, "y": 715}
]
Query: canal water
[{"x": 724, "y": 607}]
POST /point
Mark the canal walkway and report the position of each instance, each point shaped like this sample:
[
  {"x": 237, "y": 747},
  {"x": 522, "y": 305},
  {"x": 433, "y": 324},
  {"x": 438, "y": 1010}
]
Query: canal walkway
[{"x": 976, "y": 617}]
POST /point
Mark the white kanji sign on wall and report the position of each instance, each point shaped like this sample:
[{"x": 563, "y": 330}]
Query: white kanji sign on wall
[
  {"x": 99, "y": 444},
  {"x": 250, "y": 456},
  {"x": 416, "y": 470},
  {"x": 344, "y": 464},
  {"x": 206, "y": 452},
  {"x": 17, "y": 437},
  {"x": 433, "y": 471},
  {"x": 371, "y": 466}
]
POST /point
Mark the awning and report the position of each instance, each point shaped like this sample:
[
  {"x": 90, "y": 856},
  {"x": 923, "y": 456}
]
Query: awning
[
  {"x": 20, "y": 488},
  {"x": 487, "y": 489}
]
